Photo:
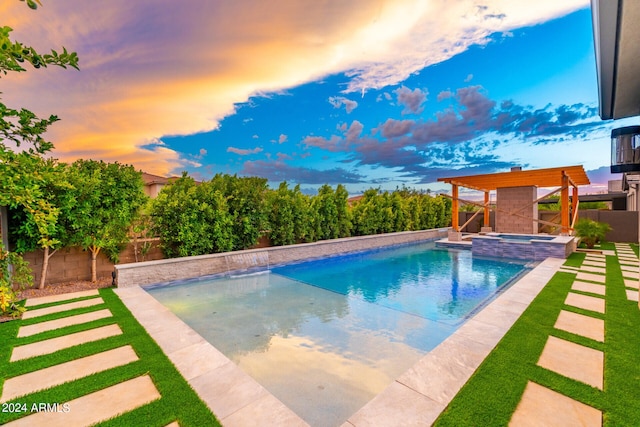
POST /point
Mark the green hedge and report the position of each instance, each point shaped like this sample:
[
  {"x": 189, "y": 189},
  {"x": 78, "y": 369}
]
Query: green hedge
[{"x": 231, "y": 213}]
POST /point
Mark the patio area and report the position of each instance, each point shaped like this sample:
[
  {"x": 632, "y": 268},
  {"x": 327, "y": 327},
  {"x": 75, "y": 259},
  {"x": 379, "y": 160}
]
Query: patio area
[{"x": 574, "y": 369}]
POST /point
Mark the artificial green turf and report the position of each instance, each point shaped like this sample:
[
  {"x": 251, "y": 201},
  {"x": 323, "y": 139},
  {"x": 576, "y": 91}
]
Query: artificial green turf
[
  {"x": 491, "y": 395},
  {"x": 179, "y": 402}
]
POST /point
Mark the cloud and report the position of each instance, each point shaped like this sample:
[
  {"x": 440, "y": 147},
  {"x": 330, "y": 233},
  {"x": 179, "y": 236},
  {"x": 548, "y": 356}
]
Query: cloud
[
  {"x": 468, "y": 78},
  {"x": 282, "y": 138},
  {"x": 338, "y": 101},
  {"x": 336, "y": 143},
  {"x": 180, "y": 70},
  {"x": 280, "y": 171},
  {"x": 411, "y": 100},
  {"x": 474, "y": 134},
  {"x": 354, "y": 131},
  {"x": 601, "y": 176},
  {"x": 394, "y": 128},
  {"x": 475, "y": 114},
  {"x": 242, "y": 152},
  {"x": 445, "y": 94}
]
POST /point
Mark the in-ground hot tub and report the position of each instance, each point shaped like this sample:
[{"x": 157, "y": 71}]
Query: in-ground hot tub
[{"x": 523, "y": 246}]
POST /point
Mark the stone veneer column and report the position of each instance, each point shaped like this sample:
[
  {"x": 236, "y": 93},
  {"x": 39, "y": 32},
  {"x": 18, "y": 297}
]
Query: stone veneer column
[{"x": 512, "y": 199}]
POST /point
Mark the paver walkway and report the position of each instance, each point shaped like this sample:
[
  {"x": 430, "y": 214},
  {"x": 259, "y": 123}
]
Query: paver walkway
[
  {"x": 90, "y": 408},
  {"x": 630, "y": 271},
  {"x": 542, "y": 406}
]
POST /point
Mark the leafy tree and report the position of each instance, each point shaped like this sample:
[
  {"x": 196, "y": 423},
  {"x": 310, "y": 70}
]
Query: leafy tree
[
  {"x": 280, "y": 208},
  {"x": 324, "y": 205},
  {"x": 21, "y": 178},
  {"x": 367, "y": 214},
  {"x": 27, "y": 231},
  {"x": 140, "y": 231},
  {"x": 400, "y": 210},
  {"x": 108, "y": 197},
  {"x": 245, "y": 200},
  {"x": 343, "y": 217},
  {"x": 290, "y": 217},
  {"x": 192, "y": 219}
]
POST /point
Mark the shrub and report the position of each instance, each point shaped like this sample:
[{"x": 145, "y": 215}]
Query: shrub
[
  {"x": 591, "y": 232},
  {"x": 19, "y": 277}
]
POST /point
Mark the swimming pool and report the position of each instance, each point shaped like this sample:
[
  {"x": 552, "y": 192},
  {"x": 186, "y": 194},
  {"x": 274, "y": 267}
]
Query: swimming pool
[{"x": 328, "y": 335}]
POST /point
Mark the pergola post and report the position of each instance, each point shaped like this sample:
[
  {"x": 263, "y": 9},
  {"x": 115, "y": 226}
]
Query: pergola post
[
  {"x": 454, "y": 208},
  {"x": 564, "y": 204},
  {"x": 486, "y": 209},
  {"x": 574, "y": 206}
]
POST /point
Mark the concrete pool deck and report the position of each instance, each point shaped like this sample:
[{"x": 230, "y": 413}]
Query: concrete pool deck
[{"x": 420, "y": 394}]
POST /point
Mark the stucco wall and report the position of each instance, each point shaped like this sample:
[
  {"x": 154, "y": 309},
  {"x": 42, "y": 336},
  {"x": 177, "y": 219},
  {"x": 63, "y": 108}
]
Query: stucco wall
[{"x": 146, "y": 273}]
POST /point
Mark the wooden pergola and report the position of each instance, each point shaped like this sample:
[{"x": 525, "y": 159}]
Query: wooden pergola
[{"x": 560, "y": 177}]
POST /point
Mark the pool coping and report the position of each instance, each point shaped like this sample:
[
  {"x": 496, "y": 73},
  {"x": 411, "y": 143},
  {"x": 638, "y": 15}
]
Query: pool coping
[{"x": 419, "y": 395}]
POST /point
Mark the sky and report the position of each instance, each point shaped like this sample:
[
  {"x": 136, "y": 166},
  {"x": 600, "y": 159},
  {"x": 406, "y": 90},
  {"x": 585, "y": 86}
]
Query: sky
[{"x": 362, "y": 93}]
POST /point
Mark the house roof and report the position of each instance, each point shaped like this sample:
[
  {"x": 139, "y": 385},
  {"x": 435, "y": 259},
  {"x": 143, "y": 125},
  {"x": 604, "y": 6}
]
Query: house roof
[
  {"x": 617, "y": 47},
  {"x": 150, "y": 179},
  {"x": 550, "y": 177}
]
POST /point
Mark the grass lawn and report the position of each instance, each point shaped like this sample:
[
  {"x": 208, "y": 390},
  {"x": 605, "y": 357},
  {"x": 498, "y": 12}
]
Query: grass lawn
[
  {"x": 491, "y": 395},
  {"x": 178, "y": 402}
]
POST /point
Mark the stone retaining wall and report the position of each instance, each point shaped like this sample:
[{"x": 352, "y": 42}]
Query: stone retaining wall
[
  {"x": 146, "y": 273},
  {"x": 560, "y": 247}
]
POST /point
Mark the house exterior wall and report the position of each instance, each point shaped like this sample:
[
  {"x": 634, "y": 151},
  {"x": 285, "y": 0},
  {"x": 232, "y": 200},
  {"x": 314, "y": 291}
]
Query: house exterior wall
[{"x": 518, "y": 200}]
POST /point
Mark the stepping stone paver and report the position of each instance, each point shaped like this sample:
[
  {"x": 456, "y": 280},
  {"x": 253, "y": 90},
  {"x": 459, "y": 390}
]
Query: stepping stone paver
[
  {"x": 62, "y": 297},
  {"x": 580, "y": 324},
  {"x": 631, "y": 268},
  {"x": 30, "y": 314},
  {"x": 98, "y": 406},
  {"x": 541, "y": 406},
  {"x": 573, "y": 361},
  {"x": 65, "y": 372},
  {"x": 590, "y": 277},
  {"x": 26, "y": 331},
  {"x": 54, "y": 344},
  {"x": 588, "y": 263},
  {"x": 632, "y": 295},
  {"x": 588, "y": 287},
  {"x": 631, "y": 283},
  {"x": 585, "y": 302},
  {"x": 590, "y": 269}
]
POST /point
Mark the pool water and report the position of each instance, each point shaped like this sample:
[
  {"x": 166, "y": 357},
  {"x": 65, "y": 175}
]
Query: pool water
[{"x": 326, "y": 336}]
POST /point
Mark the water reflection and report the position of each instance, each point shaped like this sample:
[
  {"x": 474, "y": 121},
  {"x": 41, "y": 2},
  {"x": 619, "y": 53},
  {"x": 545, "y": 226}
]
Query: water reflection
[{"x": 327, "y": 348}]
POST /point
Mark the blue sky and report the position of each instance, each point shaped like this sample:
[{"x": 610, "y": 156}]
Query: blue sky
[{"x": 398, "y": 94}]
